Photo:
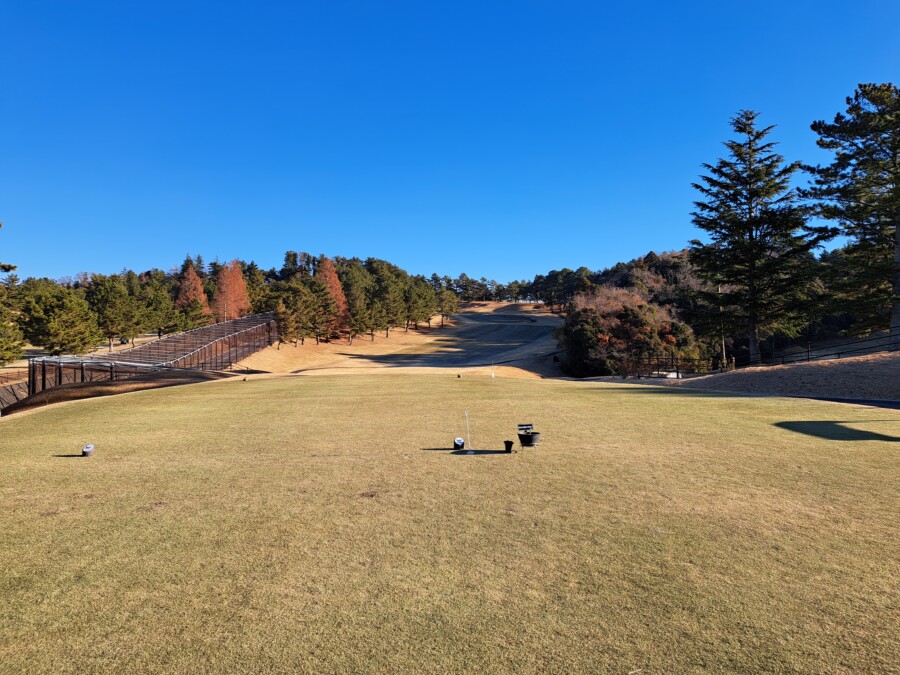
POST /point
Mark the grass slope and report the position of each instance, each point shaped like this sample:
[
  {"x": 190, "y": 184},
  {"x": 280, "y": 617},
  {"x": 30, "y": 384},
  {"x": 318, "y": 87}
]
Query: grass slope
[{"x": 307, "y": 523}]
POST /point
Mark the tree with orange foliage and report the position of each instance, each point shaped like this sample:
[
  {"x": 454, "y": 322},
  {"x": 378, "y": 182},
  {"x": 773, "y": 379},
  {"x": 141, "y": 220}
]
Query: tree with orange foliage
[
  {"x": 327, "y": 274},
  {"x": 192, "y": 302},
  {"x": 231, "y": 301}
]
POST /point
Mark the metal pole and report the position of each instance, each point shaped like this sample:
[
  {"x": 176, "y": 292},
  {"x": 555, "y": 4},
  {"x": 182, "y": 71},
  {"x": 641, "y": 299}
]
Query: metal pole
[{"x": 468, "y": 435}]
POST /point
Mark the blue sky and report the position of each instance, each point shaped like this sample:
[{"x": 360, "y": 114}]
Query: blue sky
[{"x": 502, "y": 139}]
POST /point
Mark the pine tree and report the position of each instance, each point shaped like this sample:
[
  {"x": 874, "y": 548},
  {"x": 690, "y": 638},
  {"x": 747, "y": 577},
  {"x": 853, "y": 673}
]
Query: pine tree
[
  {"x": 860, "y": 190},
  {"x": 118, "y": 315},
  {"x": 297, "y": 301},
  {"x": 288, "y": 326},
  {"x": 257, "y": 291},
  {"x": 11, "y": 342},
  {"x": 357, "y": 283},
  {"x": 158, "y": 309},
  {"x": 448, "y": 304},
  {"x": 760, "y": 245},
  {"x": 388, "y": 301},
  {"x": 192, "y": 315},
  {"x": 231, "y": 301},
  {"x": 324, "y": 309},
  {"x": 59, "y": 320},
  {"x": 420, "y": 301}
]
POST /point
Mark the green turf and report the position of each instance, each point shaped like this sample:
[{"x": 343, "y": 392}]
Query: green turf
[{"x": 309, "y": 524}]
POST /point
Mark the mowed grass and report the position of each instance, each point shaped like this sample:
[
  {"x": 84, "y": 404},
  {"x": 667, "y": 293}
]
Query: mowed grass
[{"x": 309, "y": 524}]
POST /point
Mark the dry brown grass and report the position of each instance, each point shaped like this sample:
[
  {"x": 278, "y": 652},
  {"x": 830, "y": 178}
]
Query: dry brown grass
[
  {"x": 285, "y": 524},
  {"x": 874, "y": 376},
  {"x": 310, "y": 356},
  {"x": 339, "y": 357}
]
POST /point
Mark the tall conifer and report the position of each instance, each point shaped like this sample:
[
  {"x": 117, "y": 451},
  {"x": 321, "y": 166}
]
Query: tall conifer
[
  {"x": 860, "y": 190},
  {"x": 760, "y": 242}
]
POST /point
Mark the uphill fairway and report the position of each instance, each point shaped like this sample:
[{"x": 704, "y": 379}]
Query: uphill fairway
[{"x": 318, "y": 524}]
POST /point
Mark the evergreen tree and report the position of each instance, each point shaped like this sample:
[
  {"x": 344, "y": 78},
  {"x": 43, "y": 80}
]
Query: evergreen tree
[
  {"x": 420, "y": 301},
  {"x": 59, "y": 320},
  {"x": 291, "y": 266},
  {"x": 11, "y": 342},
  {"x": 860, "y": 190},
  {"x": 297, "y": 300},
  {"x": 288, "y": 325},
  {"x": 118, "y": 315},
  {"x": 257, "y": 291},
  {"x": 388, "y": 302},
  {"x": 448, "y": 304},
  {"x": 158, "y": 309},
  {"x": 760, "y": 242},
  {"x": 357, "y": 284},
  {"x": 324, "y": 310},
  {"x": 304, "y": 305},
  {"x": 192, "y": 315}
]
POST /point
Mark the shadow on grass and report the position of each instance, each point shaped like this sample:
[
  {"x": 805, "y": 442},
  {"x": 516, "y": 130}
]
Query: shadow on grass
[
  {"x": 71, "y": 455},
  {"x": 451, "y": 451},
  {"x": 641, "y": 388},
  {"x": 836, "y": 431}
]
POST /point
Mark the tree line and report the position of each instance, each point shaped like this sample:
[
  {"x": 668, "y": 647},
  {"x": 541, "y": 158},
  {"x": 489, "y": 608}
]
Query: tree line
[
  {"x": 311, "y": 296},
  {"x": 761, "y": 275}
]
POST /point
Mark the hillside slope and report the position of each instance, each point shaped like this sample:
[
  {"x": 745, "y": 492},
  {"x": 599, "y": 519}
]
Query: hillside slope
[{"x": 874, "y": 376}]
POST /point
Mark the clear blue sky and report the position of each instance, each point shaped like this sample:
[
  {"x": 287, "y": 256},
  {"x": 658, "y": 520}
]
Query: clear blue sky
[{"x": 502, "y": 139}]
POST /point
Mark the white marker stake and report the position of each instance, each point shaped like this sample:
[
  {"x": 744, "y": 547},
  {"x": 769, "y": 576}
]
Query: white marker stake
[{"x": 471, "y": 450}]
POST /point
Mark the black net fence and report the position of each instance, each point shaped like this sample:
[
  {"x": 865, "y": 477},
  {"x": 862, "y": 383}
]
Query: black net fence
[
  {"x": 208, "y": 348},
  {"x": 216, "y": 347},
  {"x": 13, "y": 385}
]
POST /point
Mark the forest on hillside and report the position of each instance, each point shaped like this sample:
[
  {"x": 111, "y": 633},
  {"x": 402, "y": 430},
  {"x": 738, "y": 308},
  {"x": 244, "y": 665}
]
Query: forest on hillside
[{"x": 760, "y": 279}]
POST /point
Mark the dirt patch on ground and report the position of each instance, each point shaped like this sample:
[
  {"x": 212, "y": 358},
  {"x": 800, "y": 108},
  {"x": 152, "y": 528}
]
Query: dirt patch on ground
[{"x": 874, "y": 376}]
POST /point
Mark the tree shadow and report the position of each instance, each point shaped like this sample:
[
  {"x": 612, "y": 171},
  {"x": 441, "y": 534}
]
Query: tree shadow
[
  {"x": 872, "y": 403},
  {"x": 451, "y": 451},
  {"x": 640, "y": 388},
  {"x": 836, "y": 431}
]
